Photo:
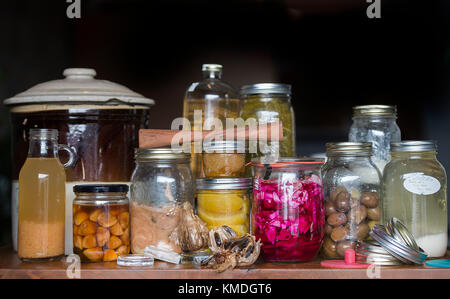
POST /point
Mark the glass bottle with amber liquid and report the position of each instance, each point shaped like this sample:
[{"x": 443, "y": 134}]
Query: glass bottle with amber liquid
[
  {"x": 205, "y": 103},
  {"x": 42, "y": 198}
]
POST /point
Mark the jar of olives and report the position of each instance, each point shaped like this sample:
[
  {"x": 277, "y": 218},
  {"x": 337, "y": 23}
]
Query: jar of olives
[{"x": 351, "y": 184}]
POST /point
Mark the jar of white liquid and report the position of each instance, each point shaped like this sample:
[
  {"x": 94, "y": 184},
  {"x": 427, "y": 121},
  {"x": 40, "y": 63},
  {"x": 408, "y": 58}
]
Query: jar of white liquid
[
  {"x": 414, "y": 190},
  {"x": 376, "y": 124}
]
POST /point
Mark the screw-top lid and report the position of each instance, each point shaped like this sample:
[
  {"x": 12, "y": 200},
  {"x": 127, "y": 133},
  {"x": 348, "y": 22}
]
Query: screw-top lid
[
  {"x": 78, "y": 86},
  {"x": 223, "y": 183},
  {"x": 261, "y": 88},
  {"x": 142, "y": 154},
  {"x": 100, "y": 188},
  {"x": 349, "y": 149},
  {"x": 375, "y": 110},
  {"x": 211, "y": 67},
  {"x": 413, "y": 146}
]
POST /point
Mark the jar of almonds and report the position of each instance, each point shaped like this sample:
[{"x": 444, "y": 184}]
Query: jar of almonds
[
  {"x": 101, "y": 222},
  {"x": 351, "y": 184}
]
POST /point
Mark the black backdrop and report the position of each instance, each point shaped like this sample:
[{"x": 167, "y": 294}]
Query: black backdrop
[{"x": 334, "y": 56}]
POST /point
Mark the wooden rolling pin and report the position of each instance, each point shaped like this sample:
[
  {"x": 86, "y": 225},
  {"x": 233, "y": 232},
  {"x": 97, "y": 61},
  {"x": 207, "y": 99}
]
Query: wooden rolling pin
[{"x": 150, "y": 138}]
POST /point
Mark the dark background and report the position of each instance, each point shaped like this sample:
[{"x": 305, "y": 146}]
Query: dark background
[{"x": 334, "y": 56}]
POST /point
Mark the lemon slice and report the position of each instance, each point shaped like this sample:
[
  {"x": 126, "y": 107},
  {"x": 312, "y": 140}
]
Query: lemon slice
[
  {"x": 226, "y": 204},
  {"x": 223, "y": 219}
]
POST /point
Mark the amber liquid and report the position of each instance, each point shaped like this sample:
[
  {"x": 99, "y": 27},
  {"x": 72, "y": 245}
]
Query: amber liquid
[
  {"x": 220, "y": 109},
  {"x": 41, "y": 209}
]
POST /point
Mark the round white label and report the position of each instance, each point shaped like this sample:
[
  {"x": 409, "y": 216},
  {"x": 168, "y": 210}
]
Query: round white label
[{"x": 421, "y": 184}]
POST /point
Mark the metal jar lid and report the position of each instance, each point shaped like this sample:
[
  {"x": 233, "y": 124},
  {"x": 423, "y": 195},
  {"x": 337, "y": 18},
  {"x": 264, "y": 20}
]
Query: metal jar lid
[
  {"x": 370, "y": 252},
  {"x": 211, "y": 67},
  {"x": 398, "y": 249},
  {"x": 399, "y": 232},
  {"x": 223, "y": 183},
  {"x": 413, "y": 146},
  {"x": 261, "y": 88},
  {"x": 374, "y": 110},
  {"x": 224, "y": 146},
  {"x": 142, "y": 154},
  {"x": 349, "y": 149}
]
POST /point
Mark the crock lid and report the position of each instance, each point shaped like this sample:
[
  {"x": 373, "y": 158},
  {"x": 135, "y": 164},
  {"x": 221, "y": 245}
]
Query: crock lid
[{"x": 78, "y": 85}]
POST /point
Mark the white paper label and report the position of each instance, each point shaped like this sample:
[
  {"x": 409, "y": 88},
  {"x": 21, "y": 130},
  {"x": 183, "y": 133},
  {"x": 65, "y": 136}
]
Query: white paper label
[{"x": 419, "y": 183}]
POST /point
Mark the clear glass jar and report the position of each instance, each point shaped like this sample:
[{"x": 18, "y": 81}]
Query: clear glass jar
[
  {"x": 414, "y": 190},
  {"x": 351, "y": 186},
  {"x": 101, "y": 221},
  {"x": 288, "y": 209},
  {"x": 160, "y": 184},
  {"x": 267, "y": 102},
  {"x": 376, "y": 124},
  {"x": 225, "y": 201},
  {"x": 42, "y": 193},
  {"x": 224, "y": 158},
  {"x": 205, "y": 100}
]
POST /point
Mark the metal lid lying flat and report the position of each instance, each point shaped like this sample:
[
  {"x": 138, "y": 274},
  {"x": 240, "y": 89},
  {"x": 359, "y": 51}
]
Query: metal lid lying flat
[
  {"x": 266, "y": 88},
  {"x": 413, "y": 146},
  {"x": 375, "y": 110},
  {"x": 79, "y": 86}
]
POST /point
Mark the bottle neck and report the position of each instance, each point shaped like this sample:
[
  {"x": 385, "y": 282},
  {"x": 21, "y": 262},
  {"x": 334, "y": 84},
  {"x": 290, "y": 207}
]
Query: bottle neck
[
  {"x": 210, "y": 74},
  {"x": 43, "y": 148},
  {"x": 431, "y": 155}
]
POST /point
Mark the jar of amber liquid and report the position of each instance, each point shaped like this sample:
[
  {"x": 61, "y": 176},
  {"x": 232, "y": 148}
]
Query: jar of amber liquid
[
  {"x": 225, "y": 201},
  {"x": 225, "y": 158},
  {"x": 101, "y": 222}
]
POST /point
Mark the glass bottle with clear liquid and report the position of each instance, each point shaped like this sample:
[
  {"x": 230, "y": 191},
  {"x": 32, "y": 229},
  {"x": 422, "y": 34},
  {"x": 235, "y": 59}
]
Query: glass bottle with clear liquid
[
  {"x": 42, "y": 198},
  {"x": 414, "y": 190},
  {"x": 205, "y": 103}
]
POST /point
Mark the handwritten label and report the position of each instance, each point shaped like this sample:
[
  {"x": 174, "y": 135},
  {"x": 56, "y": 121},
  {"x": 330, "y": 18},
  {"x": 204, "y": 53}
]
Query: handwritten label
[{"x": 419, "y": 183}]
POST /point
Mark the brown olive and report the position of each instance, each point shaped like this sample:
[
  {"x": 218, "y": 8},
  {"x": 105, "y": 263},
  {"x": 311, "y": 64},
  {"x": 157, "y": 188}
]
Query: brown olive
[
  {"x": 329, "y": 248},
  {"x": 329, "y": 209},
  {"x": 342, "y": 202},
  {"x": 374, "y": 213},
  {"x": 357, "y": 214},
  {"x": 337, "y": 219},
  {"x": 344, "y": 245},
  {"x": 340, "y": 233},
  {"x": 370, "y": 199},
  {"x": 328, "y": 229},
  {"x": 360, "y": 231},
  {"x": 334, "y": 193}
]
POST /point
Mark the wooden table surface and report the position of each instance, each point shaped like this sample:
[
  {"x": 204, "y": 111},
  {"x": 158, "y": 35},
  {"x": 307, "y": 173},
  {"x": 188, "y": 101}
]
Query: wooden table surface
[{"x": 12, "y": 267}]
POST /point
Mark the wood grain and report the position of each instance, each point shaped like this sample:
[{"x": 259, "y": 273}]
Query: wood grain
[{"x": 12, "y": 267}]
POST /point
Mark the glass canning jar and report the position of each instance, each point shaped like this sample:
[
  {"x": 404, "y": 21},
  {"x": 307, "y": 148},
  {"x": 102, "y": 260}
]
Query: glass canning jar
[
  {"x": 268, "y": 102},
  {"x": 288, "y": 209},
  {"x": 160, "y": 184},
  {"x": 205, "y": 102},
  {"x": 351, "y": 186},
  {"x": 101, "y": 222},
  {"x": 224, "y": 201},
  {"x": 376, "y": 124},
  {"x": 414, "y": 190},
  {"x": 224, "y": 158}
]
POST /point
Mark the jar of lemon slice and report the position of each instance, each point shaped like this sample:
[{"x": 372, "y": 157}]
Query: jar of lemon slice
[{"x": 224, "y": 201}]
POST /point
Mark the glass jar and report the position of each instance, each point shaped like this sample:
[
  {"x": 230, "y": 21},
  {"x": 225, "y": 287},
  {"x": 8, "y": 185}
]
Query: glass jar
[
  {"x": 288, "y": 210},
  {"x": 41, "y": 211},
  {"x": 351, "y": 184},
  {"x": 160, "y": 184},
  {"x": 268, "y": 102},
  {"x": 376, "y": 124},
  {"x": 224, "y": 201},
  {"x": 101, "y": 222},
  {"x": 205, "y": 102},
  {"x": 415, "y": 191},
  {"x": 224, "y": 158}
]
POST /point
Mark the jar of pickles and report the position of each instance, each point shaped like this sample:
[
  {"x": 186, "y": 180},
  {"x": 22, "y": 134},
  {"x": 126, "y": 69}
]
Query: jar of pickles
[
  {"x": 352, "y": 196},
  {"x": 268, "y": 102},
  {"x": 415, "y": 191},
  {"x": 224, "y": 201},
  {"x": 161, "y": 183},
  {"x": 101, "y": 222},
  {"x": 224, "y": 158},
  {"x": 288, "y": 209}
]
